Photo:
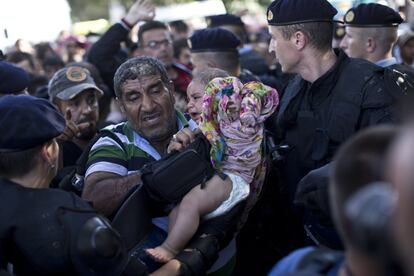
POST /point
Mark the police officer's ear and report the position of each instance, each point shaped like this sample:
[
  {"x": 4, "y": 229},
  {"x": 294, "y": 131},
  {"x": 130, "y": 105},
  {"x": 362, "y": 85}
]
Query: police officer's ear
[
  {"x": 300, "y": 40},
  {"x": 50, "y": 153},
  {"x": 370, "y": 44}
]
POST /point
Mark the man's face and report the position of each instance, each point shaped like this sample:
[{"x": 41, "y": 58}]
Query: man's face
[
  {"x": 353, "y": 43},
  {"x": 195, "y": 93},
  {"x": 148, "y": 104},
  {"x": 285, "y": 50},
  {"x": 84, "y": 109},
  {"x": 158, "y": 43}
]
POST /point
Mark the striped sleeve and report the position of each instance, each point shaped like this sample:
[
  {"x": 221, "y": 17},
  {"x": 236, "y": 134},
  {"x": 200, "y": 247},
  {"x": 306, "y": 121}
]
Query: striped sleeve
[{"x": 107, "y": 155}]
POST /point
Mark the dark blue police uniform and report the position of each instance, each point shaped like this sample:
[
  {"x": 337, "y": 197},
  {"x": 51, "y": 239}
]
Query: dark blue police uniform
[
  {"x": 45, "y": 231},
  {"x": 314, "y": 119}
]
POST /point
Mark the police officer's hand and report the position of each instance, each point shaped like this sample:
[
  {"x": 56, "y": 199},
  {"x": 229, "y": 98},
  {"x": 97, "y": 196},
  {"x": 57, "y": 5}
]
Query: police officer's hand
[
  {"x": 72, "y": 130},
  {"x": 141, "y": 10},
  {"x": 182, "y": 139}
]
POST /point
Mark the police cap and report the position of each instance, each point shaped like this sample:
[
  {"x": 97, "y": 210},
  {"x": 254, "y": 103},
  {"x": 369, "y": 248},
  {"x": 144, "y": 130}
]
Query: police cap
[
  {"x": 13, "y": 79},
  {"x": 213, "y": 40},
  {"x": 224, "y": 19},
  {"x": 27, "y": 122},
  {"x": 289, "y": 12},
  {"x": 372, "y": 15}
]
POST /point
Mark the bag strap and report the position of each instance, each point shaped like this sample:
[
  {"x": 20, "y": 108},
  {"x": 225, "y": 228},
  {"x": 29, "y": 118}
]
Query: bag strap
[{"x": 83, "y": 159}]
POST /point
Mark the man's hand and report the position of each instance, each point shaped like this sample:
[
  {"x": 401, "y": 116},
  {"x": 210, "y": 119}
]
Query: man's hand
[
  {"x": 72, "y": 129},
  {"x": 182, "y": 139},
  {"x": 141, "y": 10}
]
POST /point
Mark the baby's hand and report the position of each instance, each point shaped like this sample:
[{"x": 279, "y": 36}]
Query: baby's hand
[{"x": 182, "y": 139}]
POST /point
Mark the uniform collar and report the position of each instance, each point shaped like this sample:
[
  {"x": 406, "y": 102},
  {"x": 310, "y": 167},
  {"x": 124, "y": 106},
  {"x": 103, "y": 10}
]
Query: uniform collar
[{"x": 386, "y": 62}]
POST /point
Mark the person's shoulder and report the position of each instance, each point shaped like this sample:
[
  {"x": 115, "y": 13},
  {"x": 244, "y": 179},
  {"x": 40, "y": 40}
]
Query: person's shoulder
[
  {"x": 290, "y": 263},
  {"x": 308, "y": 261},
  {"x": 360, "y": 67}
]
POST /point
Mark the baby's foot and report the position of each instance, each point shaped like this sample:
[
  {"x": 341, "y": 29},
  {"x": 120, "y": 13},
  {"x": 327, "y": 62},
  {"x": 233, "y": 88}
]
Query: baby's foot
[{"x": 160, "y": 254}]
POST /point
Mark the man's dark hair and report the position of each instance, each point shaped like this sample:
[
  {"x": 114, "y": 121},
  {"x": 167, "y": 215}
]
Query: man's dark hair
[
  {"x": 359, "y": 162},
  {"x": 320, "y": 34},
  {"x": 19, "y": 163},
  {"x": 137, "y": 67},
  {"x": 150, "y": 25},
  {"x": 227, "y": 61},
  {"x": 179, "y": 25}
]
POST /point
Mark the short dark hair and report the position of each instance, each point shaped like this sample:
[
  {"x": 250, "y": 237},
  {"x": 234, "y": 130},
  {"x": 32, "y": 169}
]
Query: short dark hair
[
  {"x": 179, "y": 25},
  {"x": 150, "y": 25},
  {"x": 227, "y": 61},
  {"x": 320, "y": 34},
  {"x": 359, "y": 162},
  {"x": 205, "y": 76},
  {"x": 138, "y": 66},
  {"x": 19, "y": 163}
]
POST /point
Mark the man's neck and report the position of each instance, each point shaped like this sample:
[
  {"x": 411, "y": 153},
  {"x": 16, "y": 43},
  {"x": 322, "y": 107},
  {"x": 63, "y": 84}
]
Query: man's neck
[
  {"x": 161, "y": 146},
  {"x": 375, "y": 57},
  {"x": 316, "y": 64}
]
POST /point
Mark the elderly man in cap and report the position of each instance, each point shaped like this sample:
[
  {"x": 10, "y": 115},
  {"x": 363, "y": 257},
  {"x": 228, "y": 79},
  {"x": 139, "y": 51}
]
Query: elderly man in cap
[
  {"x": 371, "y": 32},
  {"x": 13, "y": 79},
  {"x": 218, "y": 48},
  {"x": 76, "y": 95},
  {"x": 332, "y": 97}
]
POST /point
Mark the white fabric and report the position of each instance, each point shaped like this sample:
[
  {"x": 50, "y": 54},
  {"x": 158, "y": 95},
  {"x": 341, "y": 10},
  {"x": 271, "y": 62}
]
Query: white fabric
[{"x": 239, "y": 191}]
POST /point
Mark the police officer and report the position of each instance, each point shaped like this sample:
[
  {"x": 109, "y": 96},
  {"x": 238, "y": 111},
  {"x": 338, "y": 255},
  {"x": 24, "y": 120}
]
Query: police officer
[
  {"x": 332, "y": 97},
  {"x": 250, "y": 59},
  {"x": 371, "y": 32},
  {"x": 217, "y": 48},
  {"x": 45, "y": 231},
  {"x": 13, "y": 80}
]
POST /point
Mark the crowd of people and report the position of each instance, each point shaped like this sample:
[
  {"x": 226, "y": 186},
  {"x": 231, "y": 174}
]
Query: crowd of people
[{"x": 195, "y": 152}]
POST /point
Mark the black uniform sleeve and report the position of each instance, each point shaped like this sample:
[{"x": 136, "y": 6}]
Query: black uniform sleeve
[
  {"x": 377, "y": 103},
  {"x": 106, "y": 53}
]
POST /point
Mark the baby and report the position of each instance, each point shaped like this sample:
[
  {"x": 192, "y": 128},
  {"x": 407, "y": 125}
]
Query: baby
[{"x": 232, "y": 120}]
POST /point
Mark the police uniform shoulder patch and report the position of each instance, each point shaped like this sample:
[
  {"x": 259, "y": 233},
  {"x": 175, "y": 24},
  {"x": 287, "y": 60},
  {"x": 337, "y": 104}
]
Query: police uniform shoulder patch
[
  {"x": 76, "y": 74},
  {"x": 349, "y": 17},
  {"x": 269, "y": 15}
]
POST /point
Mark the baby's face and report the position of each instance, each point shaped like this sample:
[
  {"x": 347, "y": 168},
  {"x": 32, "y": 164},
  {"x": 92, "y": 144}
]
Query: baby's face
[{"x": 195, "y": 93}]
